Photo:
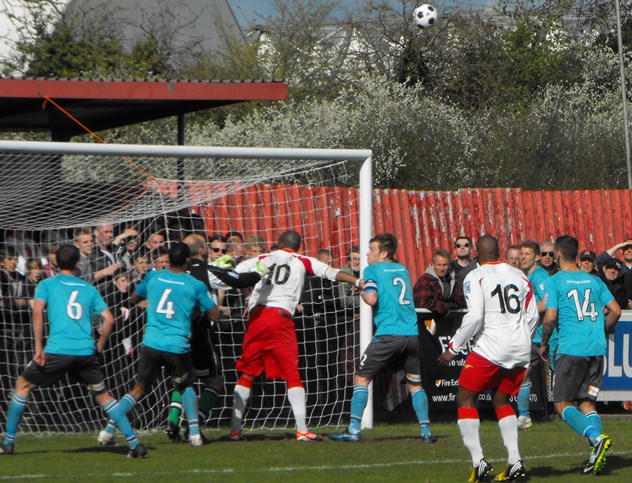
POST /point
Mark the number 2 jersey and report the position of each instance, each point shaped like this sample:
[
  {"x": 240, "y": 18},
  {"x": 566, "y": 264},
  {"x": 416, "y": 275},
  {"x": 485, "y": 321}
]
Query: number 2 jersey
[
  {"x": 579, "y": 299},
  {"x": 171, "y": 299},
  {"x": 501, "y": 315},
  {"x": 394, "y": 313},
  {"x": 71, "y": 303},
  {"x": 282, "y": 287}
]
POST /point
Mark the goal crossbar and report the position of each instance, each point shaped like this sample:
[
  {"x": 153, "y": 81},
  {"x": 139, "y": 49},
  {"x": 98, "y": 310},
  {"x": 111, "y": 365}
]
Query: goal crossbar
[{"x": 365, "y": 184}]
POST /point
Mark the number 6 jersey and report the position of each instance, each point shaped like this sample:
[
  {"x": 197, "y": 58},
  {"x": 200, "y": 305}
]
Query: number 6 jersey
[{"x": 501, "y": 315}]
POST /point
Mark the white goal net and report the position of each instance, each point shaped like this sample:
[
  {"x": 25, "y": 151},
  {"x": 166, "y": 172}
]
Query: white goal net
[{"x": 129, "y": 200}]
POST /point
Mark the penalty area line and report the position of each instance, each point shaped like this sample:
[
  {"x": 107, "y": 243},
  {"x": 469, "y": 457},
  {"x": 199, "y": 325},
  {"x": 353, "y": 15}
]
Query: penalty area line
[{"x": 279, "y": 469}]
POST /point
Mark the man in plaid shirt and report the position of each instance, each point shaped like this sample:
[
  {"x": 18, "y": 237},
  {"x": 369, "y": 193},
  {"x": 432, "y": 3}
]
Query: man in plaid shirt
[{"x": 437, "y": 289}]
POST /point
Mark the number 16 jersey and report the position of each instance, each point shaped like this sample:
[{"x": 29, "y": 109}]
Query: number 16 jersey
[{"x": 501, "y": 315}]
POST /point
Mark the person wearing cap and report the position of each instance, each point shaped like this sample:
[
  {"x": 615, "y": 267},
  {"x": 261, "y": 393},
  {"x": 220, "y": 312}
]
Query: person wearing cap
[
  {"x": 611, "y": 276},
  {"x": 588, "y": 262},
  {"x": 626, "y": 249}
]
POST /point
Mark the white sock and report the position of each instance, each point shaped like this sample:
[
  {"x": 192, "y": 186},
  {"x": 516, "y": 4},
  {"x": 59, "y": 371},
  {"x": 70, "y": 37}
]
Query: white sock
[
  {"x": 509, "y": 431},
  {"x": 471, "y": 440},
  {"x": 296, "y": 396},
  {"x": 240, "y": 399}
]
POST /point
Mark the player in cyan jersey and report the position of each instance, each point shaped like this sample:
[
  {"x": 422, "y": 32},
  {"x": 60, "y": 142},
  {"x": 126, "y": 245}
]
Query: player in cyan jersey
[
  {"x": 501, "y": 317},
  {"x": 70, "y": 304},
  {"x": 172, "y": 295},
  {"x": 388, "y": 290},
  {"x": 575, "y": 302},
  {"x": 529, "y": 256},
  {"x": 270, "y": 342},
  {"x": 205, "y": 357}
]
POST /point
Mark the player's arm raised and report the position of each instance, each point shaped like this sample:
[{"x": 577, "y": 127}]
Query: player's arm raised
[
  {"x": 347, "y": 277},
  {"x": 223, "y": 275}
]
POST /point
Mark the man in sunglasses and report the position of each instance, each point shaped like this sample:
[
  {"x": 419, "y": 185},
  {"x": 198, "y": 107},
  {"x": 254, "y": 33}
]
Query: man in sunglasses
[
  {"x": 463, "y": 250},
  {"x": 216, "y": 247},
  {"x": 547, "y": 257}
]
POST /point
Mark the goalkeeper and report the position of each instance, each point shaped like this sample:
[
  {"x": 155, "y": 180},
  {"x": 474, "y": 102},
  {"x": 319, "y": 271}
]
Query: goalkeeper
[{"x": 206, "y": 360}]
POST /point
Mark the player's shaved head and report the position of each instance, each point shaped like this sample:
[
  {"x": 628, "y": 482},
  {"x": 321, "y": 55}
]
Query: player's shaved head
[
  {"x": 178, "y": 254},
  {"x": 488, "y": 249},
  {"x": 290, "y": 239},
  {"x": 195, "y": 243},
  {"x": 68, "y": 257},
  {"x": 568, "y": 247}
]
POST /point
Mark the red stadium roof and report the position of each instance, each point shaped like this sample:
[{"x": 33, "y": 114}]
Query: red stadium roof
[{"x": 105, "y": 104}]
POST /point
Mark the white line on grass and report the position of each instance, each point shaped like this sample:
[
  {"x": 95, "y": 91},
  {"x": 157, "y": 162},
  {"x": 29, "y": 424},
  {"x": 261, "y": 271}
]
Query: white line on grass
[{"x": 281, "y": 469}]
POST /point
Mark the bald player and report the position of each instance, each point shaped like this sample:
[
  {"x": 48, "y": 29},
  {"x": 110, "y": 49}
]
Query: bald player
[{"x": 501, "y": 316}]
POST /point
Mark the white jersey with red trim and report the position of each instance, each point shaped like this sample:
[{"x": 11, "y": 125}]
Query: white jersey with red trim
[
  {"x": 282, "y": 287},
  {"x": 501, "y": 315}
]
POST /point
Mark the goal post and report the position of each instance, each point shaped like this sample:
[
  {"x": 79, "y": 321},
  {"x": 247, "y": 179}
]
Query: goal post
[{"x": 50, "y": 190}]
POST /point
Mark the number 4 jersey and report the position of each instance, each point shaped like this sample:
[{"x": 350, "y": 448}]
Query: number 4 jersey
[
  {"x": 579, "y": 299},
  {"x": 501, "y": 315},
  {"x": 171, "y": 298}
]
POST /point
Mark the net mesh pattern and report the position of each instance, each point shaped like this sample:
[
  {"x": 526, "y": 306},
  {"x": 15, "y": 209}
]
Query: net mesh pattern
[{"x": 45, "y": 200}]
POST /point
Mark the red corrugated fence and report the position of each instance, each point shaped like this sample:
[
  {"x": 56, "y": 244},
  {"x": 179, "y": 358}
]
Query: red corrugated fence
[{"x": 424, "y": 220}]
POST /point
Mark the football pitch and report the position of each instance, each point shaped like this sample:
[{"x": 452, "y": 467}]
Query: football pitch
[{"x": 551, "y": 451}]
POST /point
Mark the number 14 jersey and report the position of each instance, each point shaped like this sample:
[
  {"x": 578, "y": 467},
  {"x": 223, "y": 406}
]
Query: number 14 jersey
[
  {"x": 579, "y": 299},
  {"x": 501, "y": 315}
]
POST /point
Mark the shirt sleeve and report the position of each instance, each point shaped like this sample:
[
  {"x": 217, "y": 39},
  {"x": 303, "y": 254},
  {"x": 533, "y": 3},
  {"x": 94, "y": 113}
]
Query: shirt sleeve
[
  {"x": 141, "y": 288},
  {"x": 204, "y": 298},
  {"x": 247, "y": 265},
  {"x": 532, "y": 315},
  {"x": 41, "y": 291},
  {"x": 99, "y": 303},
  {"x": 605, "y": 296},
  {"x": 322, "y": 270},
  {"x": 370, "y": 282},
  {"x": 550, "y": 292},
  {"x": 473, "y": 319}
]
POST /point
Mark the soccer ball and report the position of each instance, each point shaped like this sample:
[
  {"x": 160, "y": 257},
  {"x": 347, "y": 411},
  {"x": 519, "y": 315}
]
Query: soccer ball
[{"x": 425, "y": 16}]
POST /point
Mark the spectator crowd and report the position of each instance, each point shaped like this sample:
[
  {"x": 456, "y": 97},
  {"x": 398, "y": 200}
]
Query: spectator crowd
[{"x": 115, "y": 259}]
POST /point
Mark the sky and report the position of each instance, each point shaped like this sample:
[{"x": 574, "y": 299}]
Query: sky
[{"x": 247, "y": 12}]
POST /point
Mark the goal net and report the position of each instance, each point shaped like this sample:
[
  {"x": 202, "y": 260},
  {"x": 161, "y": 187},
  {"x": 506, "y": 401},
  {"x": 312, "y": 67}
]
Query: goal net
[{"x": 130, "y": 201}]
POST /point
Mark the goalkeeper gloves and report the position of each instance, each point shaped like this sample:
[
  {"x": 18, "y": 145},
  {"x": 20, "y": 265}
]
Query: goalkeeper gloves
[
  {"x": 225, "y": 262},
  {"x": 261, "y": 269}
]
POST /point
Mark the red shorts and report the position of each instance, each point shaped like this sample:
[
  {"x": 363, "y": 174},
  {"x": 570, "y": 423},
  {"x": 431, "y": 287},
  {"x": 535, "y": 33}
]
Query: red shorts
[
  {"x": 479, "y": 374},
  {"x": 270, "y": 344}
]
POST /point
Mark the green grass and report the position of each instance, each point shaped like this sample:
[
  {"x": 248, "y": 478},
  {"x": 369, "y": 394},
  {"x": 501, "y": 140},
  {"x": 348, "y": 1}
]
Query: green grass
[{"x": 552, "y": 452}]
